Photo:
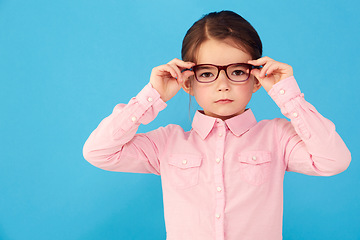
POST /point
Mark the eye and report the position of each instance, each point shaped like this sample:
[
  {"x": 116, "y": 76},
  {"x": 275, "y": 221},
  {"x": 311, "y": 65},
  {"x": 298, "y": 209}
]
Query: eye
[
  {"x": 206, "y": 74},
  {"x": 238, "y": 73}
]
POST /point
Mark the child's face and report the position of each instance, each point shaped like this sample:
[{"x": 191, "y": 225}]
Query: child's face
[{"x": 223, "y": 98}]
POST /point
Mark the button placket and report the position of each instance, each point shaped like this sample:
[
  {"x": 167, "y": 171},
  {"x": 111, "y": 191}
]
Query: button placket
[{"x": 219, "y": 180}]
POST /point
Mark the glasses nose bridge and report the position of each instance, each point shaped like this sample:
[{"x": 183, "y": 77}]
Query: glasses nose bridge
[{"x": 222, "y": 68}]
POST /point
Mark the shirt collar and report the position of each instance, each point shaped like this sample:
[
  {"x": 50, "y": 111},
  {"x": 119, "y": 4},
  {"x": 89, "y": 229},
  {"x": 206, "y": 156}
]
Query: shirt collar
[{"x": 238, "y": 125}]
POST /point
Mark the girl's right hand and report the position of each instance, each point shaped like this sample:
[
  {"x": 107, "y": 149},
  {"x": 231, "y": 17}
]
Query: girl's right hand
[{"x": 167, "y": 79}]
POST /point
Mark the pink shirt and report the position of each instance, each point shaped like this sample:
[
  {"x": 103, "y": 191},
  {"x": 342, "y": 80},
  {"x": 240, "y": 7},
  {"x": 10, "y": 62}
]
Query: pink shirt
[{"x": 221, "y": 179}]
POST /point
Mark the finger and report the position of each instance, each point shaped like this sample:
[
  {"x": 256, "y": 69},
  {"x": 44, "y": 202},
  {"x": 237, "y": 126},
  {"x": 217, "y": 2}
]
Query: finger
[
  {"x": 272, "y": 68},
  {"x": 260, "y": 61},
  {"x": 264, "y": 70},
  {"x": 187, "y": 74},
  {"x": 167, "y": 68},
  {"x": 181, "y": 64},
  {"x": 184, "y": 74},
  {"x": 177, "y": 70},
  {"x": 256, "y": 73}
]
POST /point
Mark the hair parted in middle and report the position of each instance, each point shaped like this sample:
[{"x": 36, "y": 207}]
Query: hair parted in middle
[{"x": 224, "y": 25}]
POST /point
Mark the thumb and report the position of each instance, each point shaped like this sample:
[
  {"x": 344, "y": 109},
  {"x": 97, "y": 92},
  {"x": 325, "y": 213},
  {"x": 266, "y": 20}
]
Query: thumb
[
  {"x": 265, "y": 82},
  {"x": 256, "y": 73},
  {"x": 186, "y": 75}
]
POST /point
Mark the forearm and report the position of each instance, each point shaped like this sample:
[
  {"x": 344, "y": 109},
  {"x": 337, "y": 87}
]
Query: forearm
[
  {"x": 316, "y": 148},
  {"x": 106, "y": 143}
]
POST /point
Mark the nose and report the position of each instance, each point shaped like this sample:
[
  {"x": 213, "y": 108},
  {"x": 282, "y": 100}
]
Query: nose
[{"x": 223, "y": 83}]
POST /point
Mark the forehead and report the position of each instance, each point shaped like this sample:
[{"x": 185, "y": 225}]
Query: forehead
[{"x": 220, "y": 53}]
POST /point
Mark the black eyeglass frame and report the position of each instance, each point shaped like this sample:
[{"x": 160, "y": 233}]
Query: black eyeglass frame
[{"x": 225, "y": 67}]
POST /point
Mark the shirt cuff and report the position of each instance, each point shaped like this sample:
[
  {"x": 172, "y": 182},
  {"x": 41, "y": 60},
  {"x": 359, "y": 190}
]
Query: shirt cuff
[
  {"x": 288, "y": 97},
  {"x": 148, "y": 97},
  {"x": 285, "y": 90},
  {"x": 142, "y": 109},
  {"x": 150, "y": 104}
]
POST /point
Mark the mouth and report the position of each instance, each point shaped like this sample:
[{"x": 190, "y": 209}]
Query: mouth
[{"x": 224, "y": 101}]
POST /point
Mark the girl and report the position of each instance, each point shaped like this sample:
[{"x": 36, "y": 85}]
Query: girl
[{"x": 224, "y": 178}]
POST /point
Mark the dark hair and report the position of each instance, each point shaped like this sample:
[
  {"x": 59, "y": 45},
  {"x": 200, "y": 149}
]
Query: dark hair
[{"x": 222, "y": 25}]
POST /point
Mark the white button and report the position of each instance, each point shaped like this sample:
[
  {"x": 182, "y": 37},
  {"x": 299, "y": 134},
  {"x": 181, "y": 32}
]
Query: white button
[
  {"x": 295, "y": 114},
  {"x": 254, "y": 158},
  {"x": 282, "y": 91},
  {"x": 218, "y": 160},
  {"x": 217, "y": 215},
  {"x": 133, "y": 119},
  {"x": 220, "y": 134},
  {"x": 150, "y": 99},
  {"x": 218, "y": 189},
  {"x": 184, "y": 161}
]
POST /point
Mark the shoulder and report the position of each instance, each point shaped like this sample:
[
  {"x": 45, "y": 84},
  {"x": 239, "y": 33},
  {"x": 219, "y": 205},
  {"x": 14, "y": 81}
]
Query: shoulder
[
  {"x": 276, "y": 122},
  {"x": 282, "y": 127},
  {"x": 174, "y": 128},
  {"x": 276, "y": 125},
  {"x": 169, "y": 130},
  {"x": 170, "y": 135}
]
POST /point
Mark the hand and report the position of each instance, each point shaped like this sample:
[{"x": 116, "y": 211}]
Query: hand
[
  {"x": 272, "y": 71},
  {"x": 167, "y": 79}
]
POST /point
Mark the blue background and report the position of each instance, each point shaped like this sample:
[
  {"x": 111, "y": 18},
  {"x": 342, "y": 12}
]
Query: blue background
[{"x": 65, "y": 64}]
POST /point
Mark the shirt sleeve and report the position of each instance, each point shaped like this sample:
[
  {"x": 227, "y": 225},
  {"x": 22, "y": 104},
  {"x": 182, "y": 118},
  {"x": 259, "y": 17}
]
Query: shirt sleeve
[
  {"x": 114, "y": 144},
  {"x": 310, "y": 143}
]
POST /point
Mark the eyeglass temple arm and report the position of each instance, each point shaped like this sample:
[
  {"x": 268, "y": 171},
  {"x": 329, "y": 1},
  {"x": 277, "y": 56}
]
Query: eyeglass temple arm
[
  {"x": 186, "y": 69},
  {"x": 257, "y": 67}
]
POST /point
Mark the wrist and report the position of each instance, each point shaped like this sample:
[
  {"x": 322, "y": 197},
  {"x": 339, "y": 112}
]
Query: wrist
[{"x": 284, "y": 90}]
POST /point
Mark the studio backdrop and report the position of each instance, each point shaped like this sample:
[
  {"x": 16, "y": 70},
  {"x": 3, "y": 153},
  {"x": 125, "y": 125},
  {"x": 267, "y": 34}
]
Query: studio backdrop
[{"x": 64, "y": 65}]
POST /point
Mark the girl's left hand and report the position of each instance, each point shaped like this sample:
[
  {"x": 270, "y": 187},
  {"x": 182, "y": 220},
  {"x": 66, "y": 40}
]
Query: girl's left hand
[{"x": 272, "y": 71}]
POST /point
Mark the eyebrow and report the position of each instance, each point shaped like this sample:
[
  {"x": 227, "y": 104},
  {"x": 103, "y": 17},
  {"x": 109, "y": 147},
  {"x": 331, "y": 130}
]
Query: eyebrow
[{"x": 205, "y": 67}]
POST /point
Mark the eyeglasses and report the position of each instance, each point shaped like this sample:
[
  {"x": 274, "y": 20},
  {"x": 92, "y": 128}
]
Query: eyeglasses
[{"x": 236, "y": 72}]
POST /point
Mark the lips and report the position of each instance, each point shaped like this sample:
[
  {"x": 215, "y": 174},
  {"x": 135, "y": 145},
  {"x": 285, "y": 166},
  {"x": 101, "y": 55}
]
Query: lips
[{"x": 223, "y": 101}]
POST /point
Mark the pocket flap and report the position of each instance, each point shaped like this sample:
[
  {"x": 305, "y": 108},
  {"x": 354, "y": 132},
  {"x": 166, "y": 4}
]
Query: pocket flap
[
  {"x": 255, "y": 157},
  {"x": 185, "y": 160}
]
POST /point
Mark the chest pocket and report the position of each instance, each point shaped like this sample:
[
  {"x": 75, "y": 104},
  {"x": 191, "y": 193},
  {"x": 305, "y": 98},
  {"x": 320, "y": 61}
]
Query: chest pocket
[
  {"x": 255, "y": 166},
  {"x": 184, "y": 170}
]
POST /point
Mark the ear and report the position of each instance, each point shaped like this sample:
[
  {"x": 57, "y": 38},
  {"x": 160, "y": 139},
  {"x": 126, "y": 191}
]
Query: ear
[
  {"x": 257, "y": 84},
  {"x": 186, "y": 85}
]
